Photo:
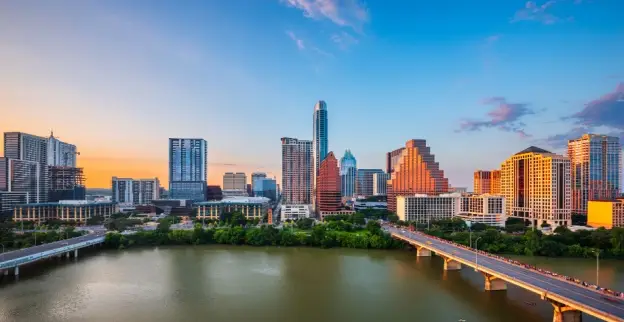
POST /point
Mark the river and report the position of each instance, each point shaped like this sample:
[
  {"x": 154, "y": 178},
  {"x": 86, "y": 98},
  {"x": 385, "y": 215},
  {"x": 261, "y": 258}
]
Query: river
[{"x": 235, "y": 284}]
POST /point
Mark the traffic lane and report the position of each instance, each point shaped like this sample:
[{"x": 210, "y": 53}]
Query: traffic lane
[
  {"x": 44, "y": 247},
  {"x": 551, "y": 284}
]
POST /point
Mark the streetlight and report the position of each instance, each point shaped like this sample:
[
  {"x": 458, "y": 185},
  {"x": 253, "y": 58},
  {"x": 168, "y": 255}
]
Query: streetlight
[
  {"x": 2, "y": 251},
  {"x": 477, "y": 254},
  {"x": 597, "y": 251}
]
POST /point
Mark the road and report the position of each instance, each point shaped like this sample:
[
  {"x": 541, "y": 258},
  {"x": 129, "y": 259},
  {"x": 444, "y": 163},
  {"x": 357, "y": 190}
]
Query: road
[
  {"x": 551, "y": 284},
  {"x": 44, "y": 247}
]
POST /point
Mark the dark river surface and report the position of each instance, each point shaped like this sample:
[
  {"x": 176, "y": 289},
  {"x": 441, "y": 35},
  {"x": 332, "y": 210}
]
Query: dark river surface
[{"x": 230, "y": 283}]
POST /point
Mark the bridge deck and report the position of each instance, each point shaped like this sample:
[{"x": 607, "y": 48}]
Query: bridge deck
[{"x": 576, "y": 296}]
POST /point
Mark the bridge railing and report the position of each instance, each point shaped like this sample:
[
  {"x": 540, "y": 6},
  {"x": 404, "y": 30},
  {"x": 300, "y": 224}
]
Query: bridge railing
[{"x": 47, "y": 253}]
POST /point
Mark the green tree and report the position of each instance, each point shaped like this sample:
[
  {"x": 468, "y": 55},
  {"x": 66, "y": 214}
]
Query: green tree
[
  {"x": 305, "y": 223},
  {"x": 238, "y": 219},
  {"x": 393, "y": 218}
]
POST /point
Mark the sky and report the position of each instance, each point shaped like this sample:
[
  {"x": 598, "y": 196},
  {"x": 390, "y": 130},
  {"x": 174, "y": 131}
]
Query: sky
[{"x": 478, "y": 80}]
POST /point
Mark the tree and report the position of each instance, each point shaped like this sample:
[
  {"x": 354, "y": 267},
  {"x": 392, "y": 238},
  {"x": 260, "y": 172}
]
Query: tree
[
  {"x": 478, "y": 226},
  {"x": 373, "y": 227},
  {"x": 305, "y": 223},
  {"x": 238, "y": 219},
  {"x": 617, "y": 240},
  {"x": 358, "y": 219},
  {"x": 163, "y": 226},
  {"x": 393, "y": 218}
]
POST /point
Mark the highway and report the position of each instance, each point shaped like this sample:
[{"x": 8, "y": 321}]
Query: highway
[
  {"x": 590, "y": 301},
  {"x": 45, "y": 247}
]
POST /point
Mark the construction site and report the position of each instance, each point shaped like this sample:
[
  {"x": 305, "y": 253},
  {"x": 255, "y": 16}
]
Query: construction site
[{"x": 66, "y": 183}]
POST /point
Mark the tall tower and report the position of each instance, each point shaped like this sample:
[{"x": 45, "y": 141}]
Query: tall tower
[
  {"x": 595, "y": 162},
  {"x": 188, "y": 168},
  {"x": 328, "y": 185},
  {"x": 297, "y": 171},
  {"x": 32, "y": 148},
  {"x": 319, "y": 141},
  {"x": 348, "y": 174}
]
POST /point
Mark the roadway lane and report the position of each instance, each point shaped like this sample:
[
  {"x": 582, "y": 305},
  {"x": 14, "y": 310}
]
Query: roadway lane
[
  {"x": 548, "y": 283},
  {"x": 44, "y": 247}
]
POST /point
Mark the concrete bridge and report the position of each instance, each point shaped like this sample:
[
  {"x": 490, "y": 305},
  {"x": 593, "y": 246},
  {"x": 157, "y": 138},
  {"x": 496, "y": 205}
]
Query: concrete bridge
[
  {"x": 13, "y": 260},
  {"x": 568, "y": 298}
]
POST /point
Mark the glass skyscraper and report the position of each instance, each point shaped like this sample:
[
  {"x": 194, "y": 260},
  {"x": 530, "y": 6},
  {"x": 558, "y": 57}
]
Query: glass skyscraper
[
  {"x": 348, "y": 173},
  {"x": 188, "y": 168},
  {"x": 319, "y": 135}
]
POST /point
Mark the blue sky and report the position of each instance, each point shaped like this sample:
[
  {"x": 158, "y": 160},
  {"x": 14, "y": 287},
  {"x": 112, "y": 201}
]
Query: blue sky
[{"x": 478, "y": 80}]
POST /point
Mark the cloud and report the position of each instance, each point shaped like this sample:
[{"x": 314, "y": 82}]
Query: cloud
[
  {"x": 297, "y": 41},
  {"x": 344, "y": 40},
  {"x": 606, "y": 112},
  {"x": 322, "y": 52},
  {"x": 345, "y": 13},
  {"x": 540, "y": 13},
  {"x": 492, "y": 39},
  {"x": 504, "y": 116}
]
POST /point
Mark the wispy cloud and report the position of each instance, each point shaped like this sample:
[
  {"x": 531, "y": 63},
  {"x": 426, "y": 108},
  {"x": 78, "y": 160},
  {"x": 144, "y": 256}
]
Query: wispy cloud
[
  {"x": 344, "y": 40},
  {"x": 492, "y": 39},
  {"x": 322, "y": 52},
  {"x": 351, "y": 13},
  {"x": 298, "y": 41},
  {"x": 504, "y": 116},
  {"x": 540, "y": 13}
]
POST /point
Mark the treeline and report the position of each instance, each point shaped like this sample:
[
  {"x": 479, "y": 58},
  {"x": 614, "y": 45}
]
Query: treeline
[
  {"x": 10, "y": 238},
  {"x": 563, "y": 242},
  {"x": 325, "y": 235}
]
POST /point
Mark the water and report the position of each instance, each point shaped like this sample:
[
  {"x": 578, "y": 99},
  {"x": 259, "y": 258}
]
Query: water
[{"x": 222, "y": 283}]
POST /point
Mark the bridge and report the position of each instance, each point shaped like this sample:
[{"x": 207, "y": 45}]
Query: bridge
[
  {"x": 13, "y": 260},
  {"x": 568, "y": 298}
]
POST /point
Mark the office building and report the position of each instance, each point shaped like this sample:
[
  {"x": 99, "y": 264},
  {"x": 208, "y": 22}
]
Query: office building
[
  {"x": 255, "y": 177},
  {"x": 606, "y": 213},
  {"x": 128, "y": 191},
  {"x": 328, "y": 185},
  {"x": 234, "y": 181},
  {"x": 188, "y": 168},
  {"x": 295, "y": 212},
  {"x": 319, "y": 135},
  {"x": 61, "y": 154},
  {"x": 297, "y": 171},
  {"x": 348, "y": 173},
  {"x": 250, "y": 207},
  {"x": 415, "y": 172},
  {"x": 214, "y": 193},
  {"x": 21, "y": 176},
  {"x": 422, "y": 208},
  {"x": 360, "y": 205},
  {"x": 66, "y": 210},
  {"x": 66, "y": 183},
  {"x": 487, "y": 181},
  {"x": 364, "y": 181},
  {"x": 32, "y": 148},
  {"x": 537, "y": 187},
  {"x": 392, "y": 159},
  {"x": 8, "y": 201},
  {"x": 595, "y": 162},
  {"x": 380, "y": 184},
  {"x": 496, "y": 182},
  {"x": 265, "y": 187},
  {"x": 485, "y": 209}
]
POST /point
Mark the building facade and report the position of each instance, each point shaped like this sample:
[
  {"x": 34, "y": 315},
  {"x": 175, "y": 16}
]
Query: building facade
[
  {"x": 295, "y": 212},
  {"x": 606, "y": 213},
  {"x": 348, "y": 174},
  {"x": 21, "y": 176},
  {"x": 364, "y": 184},
  {"x": 129, "y": 191},
  {"x": 255, "y": 177},
  {"x": 482, "y": 182},
  {"x": 266, "y": 187},
  {"x": 234, "y": 181},
  {"x": 595, "y": 162},
  {"x": 297, "y": 171},
  {"x": 319, "y": 135},
  {"x": 32, "y": 148},
  {"x": 250, "y": 207},
  {"x": 188, "y": 168},
  {"x": 416, "y": 172},
  {"x": 380, "y": 184},
  {"x": 69, "y": 210},
  {"x": 328, "y": 196},
  {"x": 66, "y": 183},
  {"x": 485, "y": 209},
  {"x": 392, "y": 159},
  {"x": 536, "y": 185},
  {"x": 61, "y": 154},
  {"x": 9, "y": 200}
]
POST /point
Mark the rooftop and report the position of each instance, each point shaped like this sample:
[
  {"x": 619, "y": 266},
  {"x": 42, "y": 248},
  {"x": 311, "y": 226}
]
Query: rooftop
[
  {"x": 236, "y": 200},
  {"x": 533, "y": 149},
  {"x": 71, "y": 203}
]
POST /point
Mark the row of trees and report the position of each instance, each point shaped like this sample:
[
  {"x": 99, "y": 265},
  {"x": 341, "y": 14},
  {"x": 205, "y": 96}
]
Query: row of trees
[
  {"x": 11, "y": 239},
  {"x": 563, "y": 242}
]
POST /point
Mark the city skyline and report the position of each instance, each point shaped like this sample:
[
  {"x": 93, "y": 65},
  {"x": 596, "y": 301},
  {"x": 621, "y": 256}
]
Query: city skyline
[{"x": 490, "y": 82}]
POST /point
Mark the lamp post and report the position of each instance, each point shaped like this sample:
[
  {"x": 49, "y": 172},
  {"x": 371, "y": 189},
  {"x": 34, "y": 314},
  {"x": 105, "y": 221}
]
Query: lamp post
[
  {"x": 597, "y": 251},
  {"x": 2, "y": 251},
  {"x": 477, "y": 254}
]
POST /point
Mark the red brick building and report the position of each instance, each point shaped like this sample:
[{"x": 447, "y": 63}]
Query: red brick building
[{"x": 328, "y": 185}]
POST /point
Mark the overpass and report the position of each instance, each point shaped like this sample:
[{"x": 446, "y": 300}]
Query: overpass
[
  {"x": 13, "y": 260},
  {"x": 568, "y": 298}
]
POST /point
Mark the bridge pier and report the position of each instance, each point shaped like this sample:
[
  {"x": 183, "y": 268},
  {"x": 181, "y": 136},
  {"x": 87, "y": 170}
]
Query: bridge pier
[
  {"x": 16, "y": 271},
  {"x": 75, "y": 253},
  {"x": 493, "y": 283},
  {"x": 6, "y": 272},
  {"x": 422, "y": 252},
  {"x": 563, "y": 313},
  {"x": 451, "y": 265}
]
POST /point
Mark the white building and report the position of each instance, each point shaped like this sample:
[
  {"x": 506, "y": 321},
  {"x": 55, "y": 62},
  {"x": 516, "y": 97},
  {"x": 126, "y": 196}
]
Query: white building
[
  {"x": 380, "y": 184},
  {"x": 485, "y": 209},
  {"x": 295, "y": 212},
  {"x": 234, "y": 181},
  {"x": 60, "y": 153},
  {"x": 297, "y": 171},
  {"x": 127, "y": 191}
]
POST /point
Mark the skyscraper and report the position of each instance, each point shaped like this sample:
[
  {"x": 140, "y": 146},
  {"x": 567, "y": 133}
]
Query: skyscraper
[
  {"x": 234, "y": 181},
  {"x": 595, "y": 162},
  {"x": 392, "y": 158},
  {"x": 319, "y": 134},
  {"x": 536, "y": 186},
  {"x": 60, "y": 153},
  {"x": 255, "y": 177},
  {"x": 415, "y": 172},
  {"x": 482, "y": 182},
  {"x": 135, "y": 191},
  {"x": 380, "y": 184},
  {"x": 364, "y": 181},
  {"x": 328, "y": 185},
  {"x": 188, "y": 168},
  {"x": 348, "y": 173},
  {"x": 297, "y": 171},
  {"x": 28, "y": 147},
  {"x": 21, "y": 176}
]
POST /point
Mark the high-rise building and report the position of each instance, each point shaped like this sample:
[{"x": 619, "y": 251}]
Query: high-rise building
[
  {"x": 595, "y": 161},
  {"x": 297, "y": 171},
  {"x": 380, "y": 183},
  {"x": 66, "y": 183},
  {"x": 21, "y": 176},
  {"x": 348, "y": 173},
  {"x": 537, "y": 188},
  {"x": 319, "y": 141},
  {"x": 28, "y": 147},
  {"x": 234, "y": 181},
  {"x": 392, "y": 158},
  {"x": 265, "y": 187},
  {"x": 328, "y": 185},
  {"x": 484, "y": 181},
  {"x": 188, "y": 168},
  {"x": 61, "y": 154},
  {"x": 415, "y": 172},
  {"x": 135, "y": 191},
  {"x": 364, "y": 182},
  {"x": 495, "y": 182},
  {"x": 255, "y": 177}
]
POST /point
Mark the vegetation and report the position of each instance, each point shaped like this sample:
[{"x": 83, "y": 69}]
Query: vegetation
[
  {"x": 10, "y": 238},
  {"x": 517, "y": 239}
]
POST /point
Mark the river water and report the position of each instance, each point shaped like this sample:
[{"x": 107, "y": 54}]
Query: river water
[{"x": 234, "y": 284}]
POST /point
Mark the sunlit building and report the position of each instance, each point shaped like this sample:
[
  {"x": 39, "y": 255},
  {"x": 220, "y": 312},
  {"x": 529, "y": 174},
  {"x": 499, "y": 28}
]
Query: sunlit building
[
  {"x": 606, "y": 213},
  {"x": 537, "y": 188},
  {"x": 595, "y": 162},
  {"x": 485, "y": 209},
  {"x": 328, "y": 185},
  {"x": 297, "y": 171},
  {"x": 416, "y": 172},
  {"x": 66, "y": 210}
]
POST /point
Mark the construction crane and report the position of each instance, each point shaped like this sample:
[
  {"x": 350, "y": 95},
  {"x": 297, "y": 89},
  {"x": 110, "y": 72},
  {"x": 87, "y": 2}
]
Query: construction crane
[{"x": 65, "y": 156}]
